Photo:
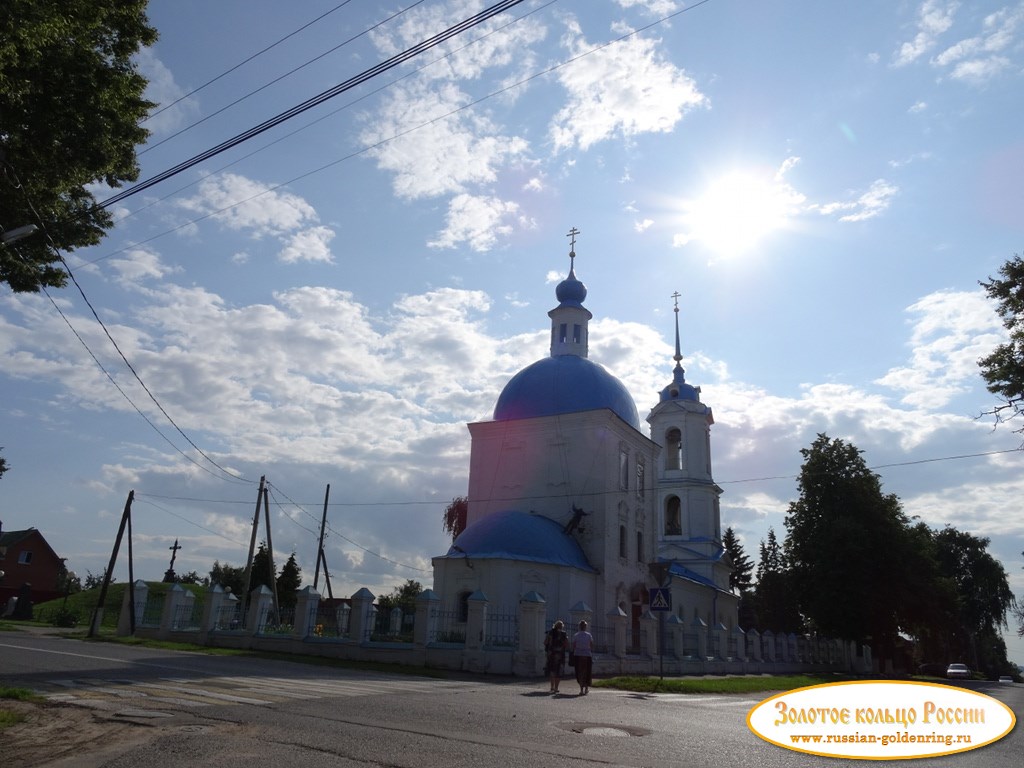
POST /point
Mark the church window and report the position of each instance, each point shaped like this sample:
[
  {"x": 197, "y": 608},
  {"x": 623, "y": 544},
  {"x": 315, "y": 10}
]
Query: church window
[
  {"x": 563, "y": 331},
  {"x": 640, "y": 547},
  {"x": 674, "y": 449},
  {"x": 623, "y": 469},
  {"x": 622, "y": 542},
  {"x": 673, "y": 517},
  {"x": 576, "y": 333},
  {"x": 464, "y": 606},
  {"x": 641, "y": 479}
]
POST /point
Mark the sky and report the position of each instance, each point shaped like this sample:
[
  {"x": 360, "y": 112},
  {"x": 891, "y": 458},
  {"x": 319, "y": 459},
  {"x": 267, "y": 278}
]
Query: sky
[{"x": 332, "y": 301}]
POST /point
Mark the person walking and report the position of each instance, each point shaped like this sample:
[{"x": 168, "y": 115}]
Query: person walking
[
  {"x": 582, "y": 650},
  {"x": 556, "y": 642}
]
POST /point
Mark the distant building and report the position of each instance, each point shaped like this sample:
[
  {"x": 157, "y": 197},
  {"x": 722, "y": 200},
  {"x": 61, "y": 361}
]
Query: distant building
[
  {"x": 26, "y": 558},
  {"x": 569, "y": 499}
]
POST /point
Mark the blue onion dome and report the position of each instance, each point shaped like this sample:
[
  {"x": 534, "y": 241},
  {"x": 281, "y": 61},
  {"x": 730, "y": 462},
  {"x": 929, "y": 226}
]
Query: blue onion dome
[
  {"x": 564, "y": 384},
  {"x": 571, "y": 291},
  {"x": 515, "y": 535}
]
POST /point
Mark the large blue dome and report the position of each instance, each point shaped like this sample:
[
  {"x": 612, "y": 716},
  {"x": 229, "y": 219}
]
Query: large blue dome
[
  {"x": 564, "y": 384},
  {"x": 514, "y": 535}
]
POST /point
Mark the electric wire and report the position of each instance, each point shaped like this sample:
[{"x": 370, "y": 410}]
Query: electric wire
[
  {"x": 242, "y": 63},
  {"x": 352, "y": 82},
  {"x": 239, "y": 100}
]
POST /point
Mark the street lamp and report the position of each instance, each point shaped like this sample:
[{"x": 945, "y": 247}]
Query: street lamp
[{"x": 19, "y": 233}]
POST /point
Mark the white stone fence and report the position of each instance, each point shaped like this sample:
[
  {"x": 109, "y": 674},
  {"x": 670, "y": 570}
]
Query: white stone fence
[{"x": 476, "y": 637}]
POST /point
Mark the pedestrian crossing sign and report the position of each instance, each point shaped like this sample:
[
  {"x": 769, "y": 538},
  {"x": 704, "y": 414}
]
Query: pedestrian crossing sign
[{"x": 661, "y": 599}]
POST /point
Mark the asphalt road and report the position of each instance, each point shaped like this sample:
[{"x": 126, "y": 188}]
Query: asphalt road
[{"x": 230, "y": 711}]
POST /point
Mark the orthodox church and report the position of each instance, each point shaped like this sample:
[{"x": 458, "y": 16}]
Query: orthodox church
[{"x": 568, "y": 498}]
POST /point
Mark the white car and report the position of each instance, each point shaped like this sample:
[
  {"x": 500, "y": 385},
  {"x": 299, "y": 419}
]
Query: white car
[{"x": 958, "y": 671}]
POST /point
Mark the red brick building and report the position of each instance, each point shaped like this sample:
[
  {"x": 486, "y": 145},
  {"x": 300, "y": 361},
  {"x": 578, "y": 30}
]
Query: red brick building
[{"x": 26, "y": 557}]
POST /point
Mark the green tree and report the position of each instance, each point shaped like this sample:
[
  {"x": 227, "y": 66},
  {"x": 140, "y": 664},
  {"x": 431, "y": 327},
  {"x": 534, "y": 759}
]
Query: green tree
[
  {"x": 1003, "y": 370},
  {"x": 262, "y": 570},
  {"x": 742, "y": 568},
  {"x": 403, "y": 597},
  {"x": 95, "y": 580},
  {"x": 288, "y": 582},
  {"x": 3, "y": 465},
  {"x": 775, "y": 606},
  {"x": 454, "y": 520},
  {"x": 71, "y": 106},
  {"x": 983, "y": 600},
  {"x": 228, "y": 576},
  {"x": 850, "y": 552}
]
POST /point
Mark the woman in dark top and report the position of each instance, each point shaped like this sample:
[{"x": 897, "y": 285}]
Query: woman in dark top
[{"x": 555, "y": 643}]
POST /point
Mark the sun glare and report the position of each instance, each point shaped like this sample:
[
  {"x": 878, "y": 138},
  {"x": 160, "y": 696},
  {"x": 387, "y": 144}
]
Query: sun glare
[{"x": 737, "y": 211}]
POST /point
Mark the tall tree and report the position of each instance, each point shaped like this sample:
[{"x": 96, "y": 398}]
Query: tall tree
[
  {"x": 454, "y": 520},
  {"x": 226, "y": 575},
  {"x": 403, "y": 597},
  {"x": 262, "y": 572},
  {"x": 742, "y": 568},
  {"x": 3, "y": 465},
  {"x": 1003, "y": 370},
  {"x": 983, "y": 599},
  {"x": 288, "y": 582},
  {"x": 71, "y": 103},
  {"x": 740, "y": 578},
  {"x": 775, "y": 606},
  {"x": 850, "y": 552}
]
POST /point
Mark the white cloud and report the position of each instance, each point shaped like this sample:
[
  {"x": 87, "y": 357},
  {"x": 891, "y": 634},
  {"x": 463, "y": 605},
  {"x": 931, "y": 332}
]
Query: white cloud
[
  {"x": 868, "y": 205},
  {"x": 934, "y": 18},
  {"x": 623, "y": 89},
  {"x": 447, "y": 153},
  {"x": 162, "y": 90},
  {"x": 656, "y": 8},
  {"x": 475, "y": 220},
  {"x": 246, "y": 205},
  {"x": 978, "y": 59},
  {"x": 308, "y": 245},
  {"x": 951, "y": 331}
]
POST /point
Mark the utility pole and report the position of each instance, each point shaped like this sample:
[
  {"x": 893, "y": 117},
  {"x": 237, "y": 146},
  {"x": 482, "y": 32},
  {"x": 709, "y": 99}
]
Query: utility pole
[
  {"x": 97, "y": 615},
  {"x": 270, "y": 553},
  {"x": 320, "y": 548},
  {"x": 252, "y": 547}
]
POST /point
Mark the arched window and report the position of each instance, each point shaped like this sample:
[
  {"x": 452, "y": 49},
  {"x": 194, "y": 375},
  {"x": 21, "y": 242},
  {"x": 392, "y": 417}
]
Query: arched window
[
  {"x": 673, "y": 449},
  {"x": 640, "y": 547},
  {"x": 622, "y": 542},
  {"x": 673, "y": 517}
]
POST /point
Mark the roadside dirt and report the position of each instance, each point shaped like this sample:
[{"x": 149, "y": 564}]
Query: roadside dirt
[{"x": 55, "y": 734}]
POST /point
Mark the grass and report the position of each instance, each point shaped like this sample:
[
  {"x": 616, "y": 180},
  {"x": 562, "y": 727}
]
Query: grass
[
  {"x": 7, "y": 717},
  {"x": 737, "y": 684}
]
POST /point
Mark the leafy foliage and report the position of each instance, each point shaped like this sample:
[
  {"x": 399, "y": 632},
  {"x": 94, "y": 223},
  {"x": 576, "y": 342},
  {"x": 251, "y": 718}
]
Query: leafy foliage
[
  {"x": 775, "y": 607},
  {"x": 742, "y": 568},
  {"x": 93, "y": 580},
  {"x": 288, "y": 582},
  {"x": 454, "y": 520},
  {"x": 851, "y": 555},
  {"x": 228, "y": 576},
  {"x": 3, "y": 465},
  {"x": 1003, "y": 370},
  {"x": 403, "y": 597},
  {"x": 71, "y": 104}
]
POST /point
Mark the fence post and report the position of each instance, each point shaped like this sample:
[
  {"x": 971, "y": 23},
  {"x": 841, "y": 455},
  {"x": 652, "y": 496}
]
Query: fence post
[
  {"x": 740, "y": 637},
  {"x": 649, "y": 622},
  {"x": 617, "y": 618},
  {"x": 425, "y": 626},
  {"x": 701, "y": 630},
  {"x": 260, "y": 600},
  {"x": 754, "y": 645},
  {"x": 579, "y": 612},
  {"x": 211, "y": 610},
  {"x": 476, "y": 620},
  {"x": 307, "y": 600},
  {"x": 363, "y": 612},
  {"x": 675, "y": 631},
  {"x": 175, "y": 597},
  {"x": 124, "y": 619},
  {"x": 529, "y": 658}
]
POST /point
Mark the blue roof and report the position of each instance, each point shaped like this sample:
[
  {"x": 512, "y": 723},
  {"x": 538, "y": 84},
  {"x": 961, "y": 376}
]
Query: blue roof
[
  {"x": 514, "y": 535},
  {"x": 564, "y": 384}
]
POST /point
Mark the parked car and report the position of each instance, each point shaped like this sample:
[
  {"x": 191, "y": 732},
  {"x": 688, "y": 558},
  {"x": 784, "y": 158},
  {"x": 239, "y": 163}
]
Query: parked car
[
  {"x": 1005, "y": 679},
  {"x": 958, "y": 671}
]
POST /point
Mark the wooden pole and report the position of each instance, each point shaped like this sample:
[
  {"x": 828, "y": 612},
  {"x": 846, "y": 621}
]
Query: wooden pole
[
  {"x": 320, "y": 548},
  {"x": 270, "y": 553},
  {"x": 252, "y": 547},
  {"x": 131, "y": 581},
  {"x": 97, "y": 615}
]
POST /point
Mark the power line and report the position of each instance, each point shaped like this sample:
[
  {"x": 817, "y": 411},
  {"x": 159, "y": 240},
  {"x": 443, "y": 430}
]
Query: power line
[
  {"x": 275, "y": 80},
  {"x": 352, "y": 82},
  {"x": 242, "y": 63}
]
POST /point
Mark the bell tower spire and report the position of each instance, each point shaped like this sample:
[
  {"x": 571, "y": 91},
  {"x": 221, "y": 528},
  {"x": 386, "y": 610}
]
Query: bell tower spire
[{"x": 569, "y": 331}]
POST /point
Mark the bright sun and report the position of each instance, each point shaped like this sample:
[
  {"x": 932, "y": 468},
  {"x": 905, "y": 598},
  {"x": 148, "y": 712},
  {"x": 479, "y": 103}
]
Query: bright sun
[{"x": 737, "y": 211}]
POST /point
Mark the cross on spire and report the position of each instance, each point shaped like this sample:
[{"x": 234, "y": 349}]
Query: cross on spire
[
  {"x": 572, "y": 248},
  {"x": 174, "y": 553},
  {"x": 678, "y": 356}
]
